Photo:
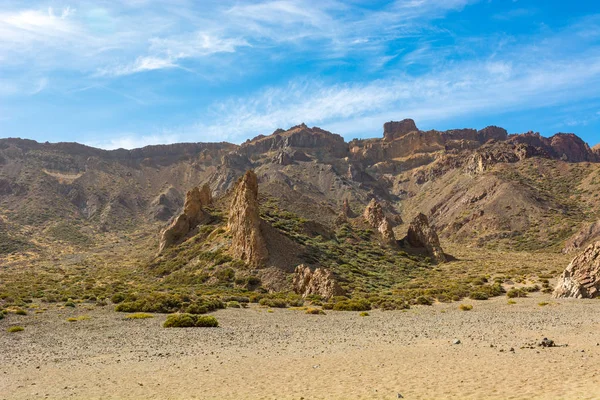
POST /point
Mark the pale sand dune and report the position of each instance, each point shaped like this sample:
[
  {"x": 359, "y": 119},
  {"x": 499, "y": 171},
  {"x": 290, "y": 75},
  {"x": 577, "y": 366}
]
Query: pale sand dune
[{"x": 290, "y": 355}]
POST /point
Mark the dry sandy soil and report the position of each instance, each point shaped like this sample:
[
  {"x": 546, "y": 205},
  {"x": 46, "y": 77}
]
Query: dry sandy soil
[{"x": 286, "y": 354}]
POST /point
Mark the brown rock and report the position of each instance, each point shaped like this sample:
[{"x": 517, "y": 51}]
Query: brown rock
[
  {"x": 182, "y": 225},
  {"x": 375, "y": 216},
  {"x": 248, "y": 242},
  {"x": 346, "y": 210},
  {"x": 421, "y": 235},
  {"x": 206, "y": 195},
  {"x": 394, "y": 129},
  {"x": 584, "y": 236},
  {"x": 320, "y": 282},
  {"x": 581, "y": 279}
]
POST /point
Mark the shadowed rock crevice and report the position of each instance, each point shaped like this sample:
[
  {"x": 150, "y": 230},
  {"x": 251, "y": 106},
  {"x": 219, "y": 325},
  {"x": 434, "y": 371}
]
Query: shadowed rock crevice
[{"x": 422, "y": 235}]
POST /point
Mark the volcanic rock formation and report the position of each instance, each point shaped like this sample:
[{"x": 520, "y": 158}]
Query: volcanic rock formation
[
  {"x": 320, "y": 282},
  {"x": 193, "y": 214},
  {"x": 586, "y": 235},
  {"x": 375, "y": 217},
  {"x": 421, "y": 235},
  {"x": 581, "y": 279},
  {"x": 248, "y": 242}
]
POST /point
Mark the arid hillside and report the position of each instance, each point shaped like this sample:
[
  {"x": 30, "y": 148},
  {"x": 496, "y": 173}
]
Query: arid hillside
[{"x": 318, "y": 201}]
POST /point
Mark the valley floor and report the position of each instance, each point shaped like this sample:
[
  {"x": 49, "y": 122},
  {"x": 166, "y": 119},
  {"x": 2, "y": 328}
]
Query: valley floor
[{"x": 286, "y": 354}]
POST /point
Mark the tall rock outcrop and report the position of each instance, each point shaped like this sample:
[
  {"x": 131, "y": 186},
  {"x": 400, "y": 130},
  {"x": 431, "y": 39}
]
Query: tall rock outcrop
[
  {"x": 581, "y": 279},
  {"x": 375, "y": 217},
  {"x": 421, "y": 235},
  {"x": 396, "y": 129},
  {"x": 206, "y": 195},
  {"x": 248, "y": 242},
  {"x": 193, "y": 214},
  {"x": 320, "y": 282}
]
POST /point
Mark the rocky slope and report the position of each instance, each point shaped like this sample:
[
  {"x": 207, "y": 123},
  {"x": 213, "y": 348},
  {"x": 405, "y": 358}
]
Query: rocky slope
[{"x": 310, "y": 188}]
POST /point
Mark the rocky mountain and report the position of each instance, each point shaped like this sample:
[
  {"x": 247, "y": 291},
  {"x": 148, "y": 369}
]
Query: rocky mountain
[{"x": 307, "y": 195}]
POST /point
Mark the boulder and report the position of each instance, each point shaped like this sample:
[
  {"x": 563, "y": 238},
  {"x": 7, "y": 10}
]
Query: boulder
[
  {"x": 193, "y": 214},
  {"x": 581, "y": 279},
  {"x": 320, "y": 282},
  {"x": 421, "y": 235},
  {"x": 375, "y": 217},
  {"x": 247, "y": 242}
]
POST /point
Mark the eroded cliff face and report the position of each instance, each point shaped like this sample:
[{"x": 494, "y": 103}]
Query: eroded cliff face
[
  {"x": 247, "y": 239},
  {"x": 581, "y": 278},
  {"x": 422, "y": 235}
]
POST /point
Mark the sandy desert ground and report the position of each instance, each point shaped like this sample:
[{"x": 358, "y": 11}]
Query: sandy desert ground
[{"x": 286, "y": 354}]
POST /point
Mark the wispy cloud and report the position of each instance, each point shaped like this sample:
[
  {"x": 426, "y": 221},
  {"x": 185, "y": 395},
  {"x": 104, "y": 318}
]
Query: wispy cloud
[{"x": 443, "y": 95}]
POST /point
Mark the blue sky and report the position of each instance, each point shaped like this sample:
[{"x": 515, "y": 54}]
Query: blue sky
[{"x": 135, "y": 72}]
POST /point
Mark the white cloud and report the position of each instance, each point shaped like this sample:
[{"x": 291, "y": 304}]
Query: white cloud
[
  {"x": 140, "y": 65},
  {"x": 362, "y": 108},
  {"x": 133, "y": 141}
]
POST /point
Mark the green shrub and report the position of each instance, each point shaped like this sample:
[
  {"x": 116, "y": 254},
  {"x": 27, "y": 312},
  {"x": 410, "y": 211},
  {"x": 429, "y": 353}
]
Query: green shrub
[
  {"x": 190, "y": 320},
  {"x": 465, "y": 307},
  {"x": 233, "y": 304},
  {"x": 479, "y": 296},
  {"x": 513, "y": 293},
  {"x": 14, "y": 329},
  {"x": 424, "y": 301},
  {"x": 315, "y": 311},
  {"x": 166, "y": 303},
  {"x": 352, "y": 305},
  {"x": 364, "y": 314},
  {"x": 70, "y": 303},
  {"x": 273, "y": 302},
  {"x": 328, "y": 306},
  {"x": 139, "y": 316},
  {"x": 117, "y": 298},
  {"x": 20, "y": 311},
  {"x": 2, "y": 314}
]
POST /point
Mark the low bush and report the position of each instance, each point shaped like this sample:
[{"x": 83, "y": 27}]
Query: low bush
[
  {"x": 20, "y": 311},
  {"x": 364, "y": 314},
  {"x": 139, "y": 315},
  {"x": 424, "y": 301},
  {"x": 465, "y": 307},
  {"x": 166, "y": 303},
  {"x": 273, "y": 302},
  {"x": 315, "y": 311},
  {"x": 479, "y": 296},
  {"x": 190, "y": 320},
  {"x": 14, "y": 329},
  {"x": 352, "y": 305},
  {"x": 514, "y": 293},
  {"x": 233, "y": 304}
]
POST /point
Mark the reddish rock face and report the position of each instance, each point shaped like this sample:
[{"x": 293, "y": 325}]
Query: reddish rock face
[
  {"x": 492, "y": 133},
  {"x": 375, "y": 216},
  {"x": 421, "y": 235},
  {"x": 581, "y": 279},
  {"x": 247, "y": 242},
  {"x": 394, "y": 129},
  {"x": 320, "y": 282},
  {"x": 565, "y": 146},
  {"x": 570, "y": 147}
]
